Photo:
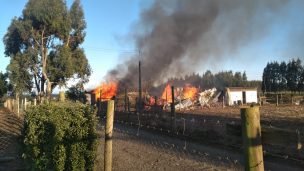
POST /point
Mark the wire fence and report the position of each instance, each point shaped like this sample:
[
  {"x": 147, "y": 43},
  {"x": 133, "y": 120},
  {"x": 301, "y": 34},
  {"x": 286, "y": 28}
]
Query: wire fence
[
  {"x": 177, "y": 146},
  {"x": 19, "y": 105},
  {"x": 224, "y": 132}
]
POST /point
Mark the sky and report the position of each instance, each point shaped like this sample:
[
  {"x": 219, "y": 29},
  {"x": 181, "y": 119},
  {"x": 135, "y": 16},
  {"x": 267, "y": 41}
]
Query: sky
[{"x": 109, "y": 22}]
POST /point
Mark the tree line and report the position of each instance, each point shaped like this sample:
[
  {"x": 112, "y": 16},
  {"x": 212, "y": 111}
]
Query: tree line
[
  {"x": 219, "y": 80},
  {"x": 284, "y": 76}
]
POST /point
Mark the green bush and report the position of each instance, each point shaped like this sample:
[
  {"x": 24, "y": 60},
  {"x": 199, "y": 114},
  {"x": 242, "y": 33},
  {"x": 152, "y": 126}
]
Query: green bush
[{"x": 60, "y": 137}]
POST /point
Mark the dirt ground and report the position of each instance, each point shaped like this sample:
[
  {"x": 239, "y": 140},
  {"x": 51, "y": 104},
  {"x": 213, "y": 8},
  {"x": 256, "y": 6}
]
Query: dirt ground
[
  {"x": 135, "y": 149},
  {"x": 266, "y": 111},
  {"x": 10, "y": 130},
  {"x": 144, "y": 150},
  {"x": 283, "y": 116}
]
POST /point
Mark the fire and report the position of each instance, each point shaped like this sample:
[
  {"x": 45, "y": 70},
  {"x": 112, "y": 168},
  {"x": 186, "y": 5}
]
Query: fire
[
  {"x": 189, "y": 92},
  {"x": 106, "y": 90},
  {"x": 167, "y": 94},
  {"x": 152, "y": 100}
]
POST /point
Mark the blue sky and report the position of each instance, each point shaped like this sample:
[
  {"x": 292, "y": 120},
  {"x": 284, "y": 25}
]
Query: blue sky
[{"x": 109, "y": 21}]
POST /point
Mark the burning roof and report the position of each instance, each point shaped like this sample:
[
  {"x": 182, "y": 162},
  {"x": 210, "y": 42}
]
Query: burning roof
[{"x": 105, "y": 91}]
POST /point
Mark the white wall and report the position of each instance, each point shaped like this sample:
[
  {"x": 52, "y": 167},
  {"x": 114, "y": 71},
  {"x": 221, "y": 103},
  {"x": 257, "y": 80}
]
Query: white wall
[
  {"x": 251, "y": 97},
  {"x": 234, "y": 96}
]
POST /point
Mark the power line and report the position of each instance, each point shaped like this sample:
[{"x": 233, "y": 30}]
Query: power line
[
  {"x": 109, "y": 49},
  {"x": 102, "y": 51}
]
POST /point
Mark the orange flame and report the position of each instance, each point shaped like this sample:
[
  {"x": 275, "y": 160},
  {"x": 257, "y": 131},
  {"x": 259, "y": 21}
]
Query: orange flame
[
  {"x": 152, "y": 100},
  {"x": 189, "y": 92},
  {"x": 106, "y": 90},
  {"x": 167, "y": 94}
]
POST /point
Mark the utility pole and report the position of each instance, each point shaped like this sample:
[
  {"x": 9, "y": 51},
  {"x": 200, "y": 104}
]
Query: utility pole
[
  {"x": 139, "y": 88},
  {"x": 173, "y": 117}
]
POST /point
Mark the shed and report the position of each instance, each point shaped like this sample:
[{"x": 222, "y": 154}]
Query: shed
[{"x": 243, "y": 95}]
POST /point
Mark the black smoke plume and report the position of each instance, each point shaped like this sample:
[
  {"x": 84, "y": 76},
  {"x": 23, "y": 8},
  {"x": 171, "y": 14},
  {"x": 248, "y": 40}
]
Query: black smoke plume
[{"x": 175, "y": 37}]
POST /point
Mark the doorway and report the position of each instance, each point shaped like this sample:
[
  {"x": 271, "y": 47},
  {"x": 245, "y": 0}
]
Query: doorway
[{"x": 244, "y": 97}]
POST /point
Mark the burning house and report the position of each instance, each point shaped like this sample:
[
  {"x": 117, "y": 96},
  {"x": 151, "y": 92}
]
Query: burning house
[
  {"x": 105, "y": 91},
  {"x": 188, "y": 97},
  {"x": 240, "y": 95}
]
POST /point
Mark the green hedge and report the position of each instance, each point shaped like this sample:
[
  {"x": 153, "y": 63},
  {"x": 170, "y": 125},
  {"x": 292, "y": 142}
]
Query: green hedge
[{"x": 60, "y": 137}]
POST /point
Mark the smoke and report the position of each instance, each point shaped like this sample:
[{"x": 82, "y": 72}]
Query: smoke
[{"x": 174, "y": 37}]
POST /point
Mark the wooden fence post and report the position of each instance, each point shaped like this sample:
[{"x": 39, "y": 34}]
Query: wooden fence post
[
  {"x": 260, "y": 102},
  {"x": 251, "y": 133},
  {"x": 13, "y": 106},
  {"x": 277, "y": 98},
  {"x": 25, "y": 103},
  {"x": 108, "y": 136},
  {"x": 18, "y": 106},
  {"x": 35, "y": 101},
  {"x": 9, "y": 105},
  {"x": 22, "y": 104},
  {"x": 291, "y": 99},
  {"x": 61, "y": 96}
]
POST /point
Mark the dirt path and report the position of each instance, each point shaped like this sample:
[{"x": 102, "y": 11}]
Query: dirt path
[
  {"x": 147, "y": 151},
  {"x": 143, "y": 150},
  {"x": 10, "y": 130}
]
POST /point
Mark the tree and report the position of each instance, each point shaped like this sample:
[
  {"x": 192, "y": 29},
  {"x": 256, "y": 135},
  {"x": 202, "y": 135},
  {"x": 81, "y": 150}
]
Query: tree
[
  {"x": 3, "y": 84},
  {"x": 293, "y": 75},
  {"x": 283, "y": 80},
  {"x": 271, "y": 77},
  {"x": 265, "y": 79},
  {"x": 275, "y": 74},
  {"x": 47, "y": 38},
  {"x": 207, "y": 80},
  {"x": 301, "y": 83},
  {"x": 75, "y": 93},
  {"x": 20, "y": 79},
  {"x": 280, "y": 77},
  {"x": 244, "y": 78},
  {"x": 238, "y": 80}
]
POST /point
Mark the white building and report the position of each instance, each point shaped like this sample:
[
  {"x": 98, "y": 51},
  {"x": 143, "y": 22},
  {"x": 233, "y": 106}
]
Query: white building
[{"x": 243, "y": 95}]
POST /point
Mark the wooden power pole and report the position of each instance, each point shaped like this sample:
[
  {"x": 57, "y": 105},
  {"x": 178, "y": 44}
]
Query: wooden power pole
[
  {"x": 172, "y": 110},
  {"x": 139, "y": 88}
]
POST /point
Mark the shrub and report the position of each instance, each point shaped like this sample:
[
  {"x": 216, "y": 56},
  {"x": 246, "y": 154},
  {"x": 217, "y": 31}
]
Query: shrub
[
  {"x": 76, "y": 94},
  {"x": 60, "y": 137}
]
